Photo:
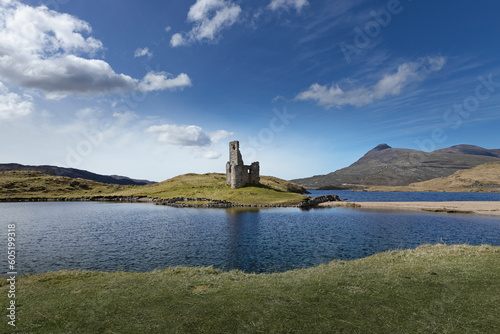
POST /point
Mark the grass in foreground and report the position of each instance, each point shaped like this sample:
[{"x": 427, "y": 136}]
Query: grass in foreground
[{"x": 431, "y": 289}]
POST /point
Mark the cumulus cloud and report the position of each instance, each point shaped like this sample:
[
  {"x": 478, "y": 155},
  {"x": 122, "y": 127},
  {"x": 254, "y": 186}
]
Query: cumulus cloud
[
  {"x": 209, "y": 17},
  {"x": 390, "y": 84},
  {"x": 219, "y": 135},
  {"x": 46, "y": 50},
  {"x": 162, "y": 80},
  {"x": 143, "y": 53},
  {"x": 177, "y": 40},
  {"x": 212, "y": 155},
  {"x": 189, "y": 136},
  {"x": 13, "y": 105},
  {"x": 287, "y": 4}
]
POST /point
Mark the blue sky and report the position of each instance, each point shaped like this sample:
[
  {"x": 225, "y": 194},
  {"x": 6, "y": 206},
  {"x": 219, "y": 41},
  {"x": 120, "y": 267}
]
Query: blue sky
[{"x": 158, "y": 88}]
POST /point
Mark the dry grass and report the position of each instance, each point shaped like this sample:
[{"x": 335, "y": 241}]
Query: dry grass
[
  {"x": 483, "y": 178},
  {"x": 430, "y": 289},
  {"x": 26, "y": 184}
]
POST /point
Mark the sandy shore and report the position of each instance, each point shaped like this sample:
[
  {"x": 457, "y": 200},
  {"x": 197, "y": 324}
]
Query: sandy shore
[{"x": 480, "y": 208}]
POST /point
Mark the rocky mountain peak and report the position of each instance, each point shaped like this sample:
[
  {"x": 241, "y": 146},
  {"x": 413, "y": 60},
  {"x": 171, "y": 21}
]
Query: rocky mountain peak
[{"x": 381, "y": 147}]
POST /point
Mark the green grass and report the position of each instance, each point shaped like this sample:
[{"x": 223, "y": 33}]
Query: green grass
[
  {"x": 212, "y": 186},
  {"x": 431, "y": 289},
  {"x": 26, "y": 184}
]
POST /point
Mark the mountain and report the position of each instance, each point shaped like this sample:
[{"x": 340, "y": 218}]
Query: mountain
[
  {"x": 75, "y": 174},
  {"x": 387, "y": 166},
  {"x": 470, "y": 149}
]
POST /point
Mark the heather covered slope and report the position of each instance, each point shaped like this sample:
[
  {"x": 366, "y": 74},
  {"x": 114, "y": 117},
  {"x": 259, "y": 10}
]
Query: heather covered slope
[
  {"x": 74, "y": 174},
  {"x": 387, "y": 166}
]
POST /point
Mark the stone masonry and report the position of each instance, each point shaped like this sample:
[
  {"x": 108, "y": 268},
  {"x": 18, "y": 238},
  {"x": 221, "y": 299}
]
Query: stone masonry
[{"x": 237, "y": 174}]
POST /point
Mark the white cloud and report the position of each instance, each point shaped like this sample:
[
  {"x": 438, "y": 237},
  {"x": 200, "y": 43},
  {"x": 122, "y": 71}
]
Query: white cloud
[
  {"x": 189, "y": 136},
  {"x": 46, "y": 50},
  {"x": 143, "y": 52},
  {"x": 212, "y": 155},
  {"x": 219, "y": 135},
  {"x": 12, "y": 105},
  {"x": 287, "y": 4},
  {"x": 177, "y": 40},
  {"x": 125, "y": 116},
  {"x": 390, "y": 84},
  {"x": 278, "y": 98},
  {"x": 162, "y": 80},
  {"x": 39, "y": 50},
  {"x": 200, "y": 143},
  {"x": 209, "y": 18},
  {"x": 168, "y": 28}
]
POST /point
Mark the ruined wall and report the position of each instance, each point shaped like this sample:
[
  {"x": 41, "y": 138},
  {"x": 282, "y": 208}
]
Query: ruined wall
[
  {"x": 237, "y": 174},
  {"x": 254, "y": 174}
]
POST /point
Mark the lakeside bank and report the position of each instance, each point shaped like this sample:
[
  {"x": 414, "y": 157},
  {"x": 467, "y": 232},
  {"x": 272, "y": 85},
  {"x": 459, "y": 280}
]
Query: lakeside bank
[
  {"x": 428, "y": 289},
  {"x": 488, "y": 208}
]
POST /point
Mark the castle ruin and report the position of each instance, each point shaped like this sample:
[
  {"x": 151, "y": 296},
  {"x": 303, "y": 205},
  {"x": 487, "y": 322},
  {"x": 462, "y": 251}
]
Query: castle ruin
[{"x": 237, "y": 174}]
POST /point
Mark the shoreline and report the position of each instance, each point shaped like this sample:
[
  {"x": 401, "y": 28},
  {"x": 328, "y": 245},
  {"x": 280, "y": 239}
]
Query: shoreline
[
  {"x": 484, "y": 208},
  {"x": 177, "y": 202}
]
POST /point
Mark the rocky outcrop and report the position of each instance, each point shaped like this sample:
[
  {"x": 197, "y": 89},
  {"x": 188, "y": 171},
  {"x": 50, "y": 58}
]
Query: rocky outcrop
[{"x": 314, "y": 202}]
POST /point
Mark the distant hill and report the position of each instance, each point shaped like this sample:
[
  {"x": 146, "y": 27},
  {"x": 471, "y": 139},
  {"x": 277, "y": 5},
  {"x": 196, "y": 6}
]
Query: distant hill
[
  {"x": 470, "y": 149},
  {"x": 387, "y": 166},
  {"x": 75, "y": 174},
  {"x": 483, "y": 178},
  {"x": 30, "y": 184}
]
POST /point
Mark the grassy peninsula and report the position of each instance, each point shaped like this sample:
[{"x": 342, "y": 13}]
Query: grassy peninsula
[
  {"x": 272, "y": 190},
  {"x": 430, "y": 289}
]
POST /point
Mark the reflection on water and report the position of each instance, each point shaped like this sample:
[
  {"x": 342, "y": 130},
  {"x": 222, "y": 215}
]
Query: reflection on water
[{"x": 145, "y": 237}]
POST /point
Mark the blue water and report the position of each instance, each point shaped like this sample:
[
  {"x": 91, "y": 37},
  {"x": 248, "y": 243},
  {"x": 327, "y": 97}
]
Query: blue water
[
  {"x": 144, "y": 237},
  {"x": 364, "y": 196}
]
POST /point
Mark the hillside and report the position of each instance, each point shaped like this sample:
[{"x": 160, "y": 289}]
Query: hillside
[
  {"x": 387, "y": 166},
  {"x": 75, "y": 174},
  {"x": 470, "y": 149},
  {"x": 483, "y": 178},
  {"x": 272, "y": 190},
  {"x": 27, "y": 184}
]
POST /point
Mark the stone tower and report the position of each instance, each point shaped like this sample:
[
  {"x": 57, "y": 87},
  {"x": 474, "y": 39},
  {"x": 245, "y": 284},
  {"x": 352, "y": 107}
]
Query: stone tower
[{"x": 237, "y": 174}]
